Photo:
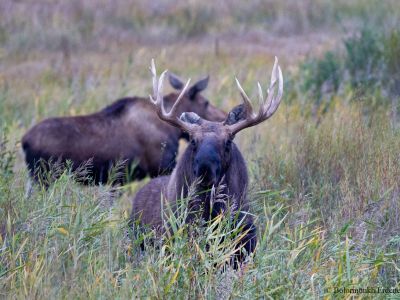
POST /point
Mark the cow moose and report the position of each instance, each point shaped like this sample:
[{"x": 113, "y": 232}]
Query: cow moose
[
  {"x": 211, "y": 159},
  {"x": 127, "y": 131}
]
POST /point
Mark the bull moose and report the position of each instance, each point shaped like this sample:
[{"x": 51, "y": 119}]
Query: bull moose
[
  {"x": 128, "y": 131},
  {"x": 211, "y": 159}
]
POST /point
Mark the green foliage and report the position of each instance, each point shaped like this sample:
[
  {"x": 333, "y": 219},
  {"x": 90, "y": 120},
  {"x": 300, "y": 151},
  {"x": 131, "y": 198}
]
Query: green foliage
[
  {"x": 323, "y": 75},
  {"x": 364, "y": 59},
  {"x": 7, "y": 160},
  {"x": 7, "y": 156},
  {"x": 392, "y": 61},
  {"x": 369, "y": 66},
  {"x": 72, "y": 242}
]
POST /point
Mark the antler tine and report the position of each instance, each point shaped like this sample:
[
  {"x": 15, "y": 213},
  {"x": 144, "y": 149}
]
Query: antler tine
[
  {"x": 245, "y": 98},
  {"x": 261, "y": 100},
  {"x": 271, "y": 90},
  {"x": 268, "y": 106},
  {"x": 158, "y": 100},
  {"x": 153, "y": 71},
  {"x": 277, "y": 100},
  {"x": 173, "y": 110}
]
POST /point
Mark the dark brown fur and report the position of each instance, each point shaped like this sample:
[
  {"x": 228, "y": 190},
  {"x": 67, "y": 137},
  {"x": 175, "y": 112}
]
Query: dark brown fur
[
  {"x": 211, "y": 160},
  {"x": 128, "y": 130},
  {"x": 147, "y": 202},
  {"x": 146, "y": 205}
]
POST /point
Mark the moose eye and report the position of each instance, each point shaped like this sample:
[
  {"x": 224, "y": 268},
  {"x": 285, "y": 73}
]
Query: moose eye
[
  {"x": 193, "y": 143},
  {"x": 206, "y": 104}
]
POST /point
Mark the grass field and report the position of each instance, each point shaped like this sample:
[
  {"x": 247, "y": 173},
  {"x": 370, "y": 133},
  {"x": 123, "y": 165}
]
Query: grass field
[{"x": 324, "y": 171}]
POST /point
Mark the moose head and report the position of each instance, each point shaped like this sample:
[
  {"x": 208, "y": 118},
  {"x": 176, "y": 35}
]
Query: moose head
[
  {"x": 211, "y": 143},
  {"x": 192, "y": 99}
]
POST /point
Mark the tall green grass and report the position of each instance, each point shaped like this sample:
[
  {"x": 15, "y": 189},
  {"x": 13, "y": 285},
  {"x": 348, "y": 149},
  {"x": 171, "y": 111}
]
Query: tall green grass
[{"x": 325, "y": 199}]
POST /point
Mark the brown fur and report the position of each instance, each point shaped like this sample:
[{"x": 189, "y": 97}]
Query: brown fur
[
  {"x": 211, "y": 160},
  {"x": 146, "y": 204},
  {"x": 211, "y": 138},
  {"x": 128, "y": 130}
]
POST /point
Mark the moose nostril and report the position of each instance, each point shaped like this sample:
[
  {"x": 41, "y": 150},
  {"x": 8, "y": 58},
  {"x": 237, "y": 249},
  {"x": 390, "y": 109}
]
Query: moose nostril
[{"x": 205, "y": 172}]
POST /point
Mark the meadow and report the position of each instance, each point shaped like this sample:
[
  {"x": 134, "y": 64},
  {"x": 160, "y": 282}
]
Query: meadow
[{"x": 324, "y": 170}]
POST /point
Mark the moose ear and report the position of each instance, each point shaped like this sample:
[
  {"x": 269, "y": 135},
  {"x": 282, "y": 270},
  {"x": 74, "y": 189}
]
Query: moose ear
[
  {"x": 191, "y": 118},
  {"x": 198, "y": 87},
  {"x": 175, "y": 81},
  {"x": 235, "y": 115}
]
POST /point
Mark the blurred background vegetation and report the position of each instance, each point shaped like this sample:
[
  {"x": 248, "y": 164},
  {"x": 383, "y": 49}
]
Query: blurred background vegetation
[{"x": 325, "y": 170}]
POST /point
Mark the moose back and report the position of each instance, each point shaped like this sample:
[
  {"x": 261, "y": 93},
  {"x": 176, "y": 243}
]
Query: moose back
[{"x": 127, "y": 132}]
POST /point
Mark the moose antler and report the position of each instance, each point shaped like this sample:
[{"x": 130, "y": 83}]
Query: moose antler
[
  {"x": 158, "y": 100},
  {"x": 268, "y": 106}
]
